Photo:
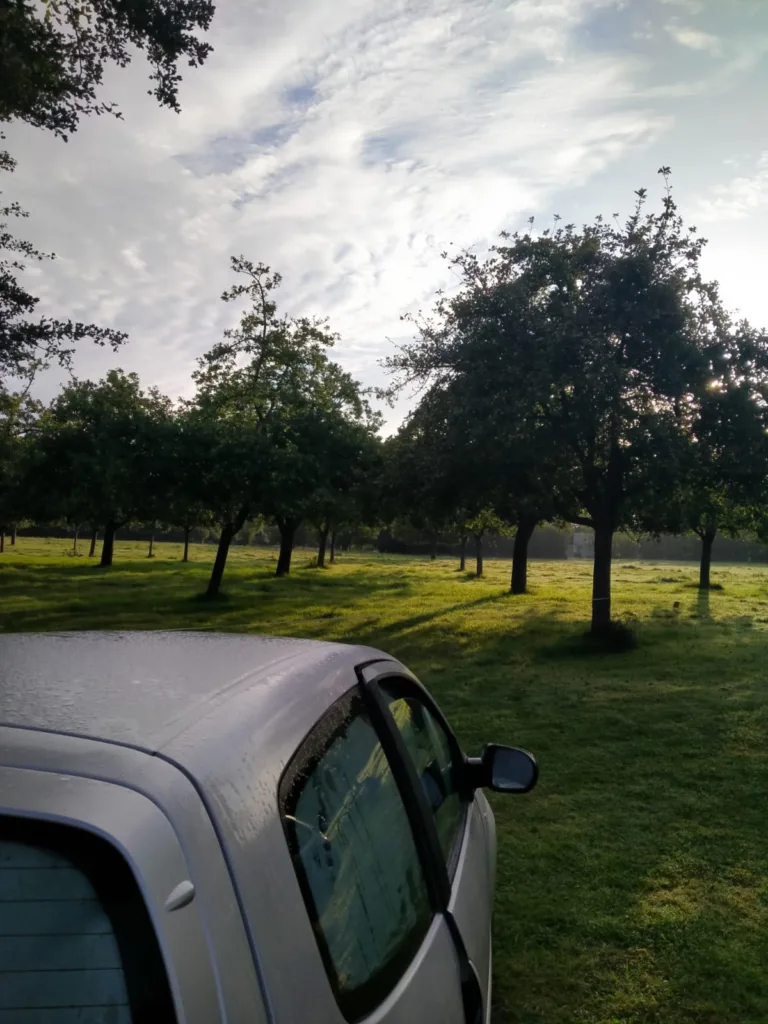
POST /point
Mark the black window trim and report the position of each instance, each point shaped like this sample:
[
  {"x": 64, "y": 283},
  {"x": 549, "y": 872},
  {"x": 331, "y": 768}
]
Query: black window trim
[
  {"x": 412, "y": 688},
  {"x": 411, "y": 791}
]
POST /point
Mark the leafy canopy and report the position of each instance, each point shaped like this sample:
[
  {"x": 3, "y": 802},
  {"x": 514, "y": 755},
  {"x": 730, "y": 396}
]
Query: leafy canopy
[
  {"x": 53, "y": 53},
  {"x": 95, "y": 456}
]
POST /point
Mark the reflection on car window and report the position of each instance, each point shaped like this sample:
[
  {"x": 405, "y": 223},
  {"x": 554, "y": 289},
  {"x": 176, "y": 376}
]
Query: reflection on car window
[
  {"x": 355, "y": 855},
  {"x": 430, "y": 750}
]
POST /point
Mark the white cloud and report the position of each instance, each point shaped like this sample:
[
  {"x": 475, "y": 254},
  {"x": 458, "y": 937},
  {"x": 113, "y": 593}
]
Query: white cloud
[
  {"x": 694, "y": 39},
  {"x": 739, "y": 198}
]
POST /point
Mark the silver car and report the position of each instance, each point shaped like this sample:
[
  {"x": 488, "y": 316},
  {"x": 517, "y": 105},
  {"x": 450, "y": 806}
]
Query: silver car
[{"x": 198, "y": 828}]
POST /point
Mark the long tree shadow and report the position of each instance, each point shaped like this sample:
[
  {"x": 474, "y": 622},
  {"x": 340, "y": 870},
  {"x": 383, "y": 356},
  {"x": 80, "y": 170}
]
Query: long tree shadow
[
  {"x": 400, "y": 626},
  {"x": 701, "y": 605}
]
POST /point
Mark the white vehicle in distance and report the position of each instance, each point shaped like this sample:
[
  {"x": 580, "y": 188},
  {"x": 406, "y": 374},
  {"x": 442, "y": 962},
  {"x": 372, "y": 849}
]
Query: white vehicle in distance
[{"x": 200, "y": 827}]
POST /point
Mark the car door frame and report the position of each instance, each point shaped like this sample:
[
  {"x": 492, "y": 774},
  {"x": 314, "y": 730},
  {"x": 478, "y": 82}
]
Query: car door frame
[
  {"x": 110, "y": 789},
  {"x": 143, "y": 836},
  {"x": 436, "y": 871}
]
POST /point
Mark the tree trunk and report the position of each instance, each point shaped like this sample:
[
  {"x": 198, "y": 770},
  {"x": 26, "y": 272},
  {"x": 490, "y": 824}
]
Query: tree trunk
[
  {"x": 187, "y": 531},
  {"x": 74, "y": 542},
  {"x": 463, "y": 555},
  {"x": 433, "y": 551},
  {"x": 108, "y": 547},
  {"x": 479, "y": 554},
  {"x": 707, "y": 540},
  {"x": 523, "y": 536},
  {"x": 228, "y": 531},
  {"x": 323, "y": 535},
  {"x": 94, "y": 538},
  {"x": 150, "y": 553},
  {"x": 13, "y": 535},
  {"x": 2, "y": 539},
  {"x": 601, "y": 578},
  {"x": 333, "y": 547},
  {"x": 287, "y": 529},
  {"x": 225, "y": 539}
]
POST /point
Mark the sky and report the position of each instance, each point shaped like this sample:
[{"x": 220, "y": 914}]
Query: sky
[{"x": 347, "y": 143}]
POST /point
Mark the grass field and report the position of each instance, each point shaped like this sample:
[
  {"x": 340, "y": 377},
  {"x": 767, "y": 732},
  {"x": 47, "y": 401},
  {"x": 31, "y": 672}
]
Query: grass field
[{"x": 633, "y": 883}]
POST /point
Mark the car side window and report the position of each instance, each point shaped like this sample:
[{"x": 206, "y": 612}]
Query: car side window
[
  {"x": 434, "y": 757},
  {"x": 355, "y": 857},
  {"x": 76, "y": 940}
]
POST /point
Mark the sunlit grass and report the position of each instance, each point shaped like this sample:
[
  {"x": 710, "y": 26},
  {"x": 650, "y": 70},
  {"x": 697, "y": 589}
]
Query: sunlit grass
[{"x": 633, "y": 883}]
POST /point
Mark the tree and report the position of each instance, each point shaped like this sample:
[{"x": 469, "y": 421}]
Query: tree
[
  {"x": 19, "y": 416},
  {"x": 93, "y": 460},
  {"x": 490, "y": 447},
  {"x": 53, "y": 53},
  {"x": 523, "y": 469},
  {"x": 500, "y": 467},
  {"x": 229, "y": 471},
  {"x": 597, "y": 337},
  {"x": 345, "y": 494},
  {"x": 185, "y": 453},
  {"x": 421, "y": 479},
  {"x": 721, "y": 477},
  {"x": 321, "y": 452},
  {"x": 258, "y": 387}
]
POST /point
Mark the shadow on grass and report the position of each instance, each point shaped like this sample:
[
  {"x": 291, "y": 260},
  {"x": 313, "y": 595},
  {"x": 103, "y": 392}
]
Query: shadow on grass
[
  {"x": 413, "y": 621},
  {"x": 701, "y": 606},
  {"x": 137, "y": 595}
]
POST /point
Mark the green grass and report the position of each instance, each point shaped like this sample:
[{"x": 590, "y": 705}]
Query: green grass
[{"x": 633, "y": 883}]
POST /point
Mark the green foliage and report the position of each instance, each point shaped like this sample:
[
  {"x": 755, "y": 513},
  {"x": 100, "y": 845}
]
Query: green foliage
[
  {"x": 335, "y": 459},
  {"x": 187, "y": 452},
  {"x": 95, "y": 458},
  {"x": 19, "y": 416},
  {"x": 723, "y": 480}
]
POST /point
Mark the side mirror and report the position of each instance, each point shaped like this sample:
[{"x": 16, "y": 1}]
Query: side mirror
[{"x": 503, "y": 769}]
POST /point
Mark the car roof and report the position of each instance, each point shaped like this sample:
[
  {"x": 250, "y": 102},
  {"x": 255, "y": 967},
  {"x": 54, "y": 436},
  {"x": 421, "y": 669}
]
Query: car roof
[{"x": 143, "y": 689}]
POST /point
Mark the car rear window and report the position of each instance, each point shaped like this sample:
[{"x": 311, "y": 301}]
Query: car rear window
[{"x": 76, "y": 941}]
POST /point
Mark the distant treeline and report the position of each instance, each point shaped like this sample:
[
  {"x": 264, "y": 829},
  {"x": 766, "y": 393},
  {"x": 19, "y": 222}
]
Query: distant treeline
[{"x": 546, "y": 542}]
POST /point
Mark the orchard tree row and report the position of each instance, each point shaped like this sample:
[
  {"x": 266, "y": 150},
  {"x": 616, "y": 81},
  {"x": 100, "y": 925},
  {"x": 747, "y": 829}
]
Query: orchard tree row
[{"x": 276, "y": 429}]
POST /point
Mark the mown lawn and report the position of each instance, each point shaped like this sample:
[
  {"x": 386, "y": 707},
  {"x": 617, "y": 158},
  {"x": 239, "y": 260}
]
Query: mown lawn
[{"x": 633, "y": 883}]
